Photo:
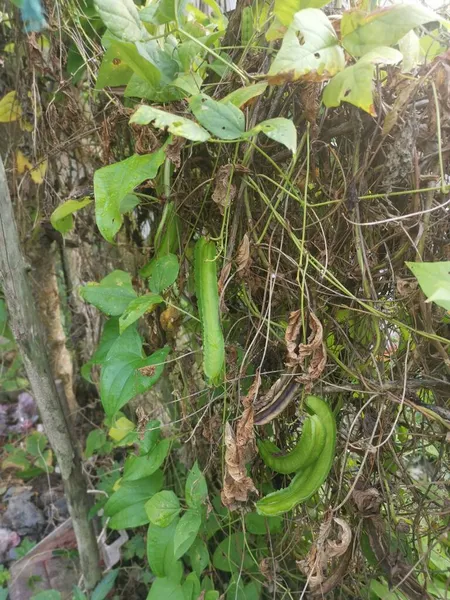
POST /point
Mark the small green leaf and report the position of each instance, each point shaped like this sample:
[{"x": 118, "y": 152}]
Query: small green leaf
[
  {"x": 105, "y": 586},
  {"x": 165, "y": 589},
  {"x": 109, "y": 335},
  {"x": 95, "y": 440},
  {"x": 125, "y": 373},
  {"x": 112, "y": 295},
  {"x": 354, "y": 84},
  {"x": 137, "y": 467},
  {"x": 244, "y": 94},
  {"x": 62, "y": 219},
  {"x": 126, "y": 506},
  {"x": 160, "y": 553},
  {"x": 137, "y": 308},
  {"x": 151, "y": 436},
  {"x": 434, "y": 280},
  {"x": 121, "y": 17},
  {"x": 186, "y": 531},
  {"x": 177, "y": 125},
  {"x": 231, "y": 554},
  {"x": 286, "y": 9},
  {"x": 199, "y": 556},
  {"x": 113, "y": 71},
  {"x": 36, "y": 443},
  {"x": 163, "y": 508},
  {"x": 362, "y": 32},
  {"x": 196, "y": 491},
  {"x": 114, "y": 182},
  {"x": 318, "y": 57},
  {"x": 163, "y": 273},
  {"x": 279, "y": 129},
  {"x": 224, "y": 120},
  {"x": 191, "y": 587}
]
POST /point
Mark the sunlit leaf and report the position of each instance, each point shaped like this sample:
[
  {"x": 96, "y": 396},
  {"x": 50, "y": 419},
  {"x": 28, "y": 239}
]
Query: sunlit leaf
[
  {"x": 434, "y": 280},
  {"x": 174, "y": 123},
  {"x": 362, "y": 32},
  {"x": 62, "y": 219},
  {"x": 279, "y": 129},
  {"x": 285, "y": 10},
  {"x": 10, "y": 109},
  {"x": 113, "y": 71},
  {"x": 318, "y": 57},
  {"x": 354, "y": 84},
  {"x": 114, "y": 182},
  {"x": 37, "y": 173},
  {"x": 224, "y": 120},
  {"x": 244, "y": 94},
  {"x": 121, "y": 429},
  {"x": 121, "y": 17}
]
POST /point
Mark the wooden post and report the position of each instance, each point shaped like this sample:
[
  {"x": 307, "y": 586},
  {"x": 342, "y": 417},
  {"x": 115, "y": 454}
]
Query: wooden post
[{"x": 25, "y": 324}]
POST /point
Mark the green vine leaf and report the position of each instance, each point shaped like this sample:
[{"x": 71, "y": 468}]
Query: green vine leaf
[
  {"x": 244, "y": 94},
  {"x": 319, "y": 57},
  {"x": 137, "y": 308},
  {"x": 160, "y": 553},
  {"x": 114, "y": 182},
  {"x": 163, "y": 273},
  {"x": 137, "y": 467},
  {"x": 163, "y": 508},
  {"x": 62, "y": 219},
  {"x": 434, "y": 281},
  {"x": 121, "y": 17},
  {"x": 354, "y": 84},
  {"x": 196, "y": 491},
  {"x": 113, "y": 70},
  {"x": 279, "y": 129},
  {"x": 175, "y": 124},
  {"x": 224, "y": 120},
  {"x": 126, "y": 373},
  {"x": 362, "y": 32},
  {"x": 165, "y": 588},
  {"x": 186, "y": 531},
  {"x": 285, "y": 10},
  {"x": 112, "y": 295}
]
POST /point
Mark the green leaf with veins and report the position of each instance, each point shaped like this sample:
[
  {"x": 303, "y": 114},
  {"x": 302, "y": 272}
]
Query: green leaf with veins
[
  {"x": 163, "y": 508},
  {"x": 434, "y": 281},
  {"x": 244, "y": 94},
  {"x": 224, "y": 120},
  {"x": 355, "y": 84},
  {"x": 113, "y": 70},
  {"x": 186, "y": 531},
  {"x": 279, "y": 129},
  {"x": 122, "y": 377},
  {"x": 62, "y": 219},
  {"x": 285, "y": 10},
  {"x": 121, "y": 17},
  {"x": 319, "y": 57},
  {"x": 175, "y": 124},
  {"x": 137, "y": 308},
  {"x": 114, "y": 182},
  {"x": 362, "y": 32},
  {"x": 112, "y": 295}
]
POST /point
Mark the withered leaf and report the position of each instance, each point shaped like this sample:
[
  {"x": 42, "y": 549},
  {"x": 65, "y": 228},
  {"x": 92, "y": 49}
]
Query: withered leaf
[
  {"x": 243, "y": 254},
  {"x": 314, "y": 349},
  {"x": 328, "y": 546},
  {"x": 240, "y": 449},
  {"x": 224, "y": 190},
  {"x": 173, "y": 150}
]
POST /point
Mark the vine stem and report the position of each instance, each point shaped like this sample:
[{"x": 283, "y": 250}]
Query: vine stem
[{"x": 27, "y": 329}]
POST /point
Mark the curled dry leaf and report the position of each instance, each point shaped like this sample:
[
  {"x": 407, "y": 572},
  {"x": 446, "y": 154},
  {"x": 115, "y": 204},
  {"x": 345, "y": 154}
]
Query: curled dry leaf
[
  {"x": 224, "y": 190},
  {"x": 329, "y": 546},
  {"x": 243, "y": 255},
  {"x": 367, "y": 501},
  {"x": 314, "y": 349},
  {"x": 173, "y": 150},
  {"x": 240, "y": 449}
]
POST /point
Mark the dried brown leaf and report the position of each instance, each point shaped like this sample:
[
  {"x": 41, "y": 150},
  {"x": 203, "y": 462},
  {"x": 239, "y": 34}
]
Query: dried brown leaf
[
  {"x": 314, "y": 349},
  {"x": 243, "y": 254},
  {"x": 224, "y": 190},
  {"x": 367, "y": 501},
  {"x": 240, "y": 449},
  {"x": 173, "y": 150},
  {"x": 328, "y": 546}
]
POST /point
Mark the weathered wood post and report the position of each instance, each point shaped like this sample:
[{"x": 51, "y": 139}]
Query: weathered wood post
[{"x": 25, "y": 324}]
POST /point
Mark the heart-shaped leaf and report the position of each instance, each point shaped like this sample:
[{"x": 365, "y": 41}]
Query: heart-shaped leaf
[
  {"x": 224, "y": 120},
  {"x": 434, "y": 280},
  {"x": 112, "y": 295},
  {"x": 175, "y": 124}
]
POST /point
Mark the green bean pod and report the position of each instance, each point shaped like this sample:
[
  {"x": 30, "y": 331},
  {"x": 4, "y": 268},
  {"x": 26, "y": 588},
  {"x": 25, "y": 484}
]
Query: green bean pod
[
  {"x": 208, "y": 305},
  {"x": 307, "y": 481},
  {"x": 306, "y": 451}
]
